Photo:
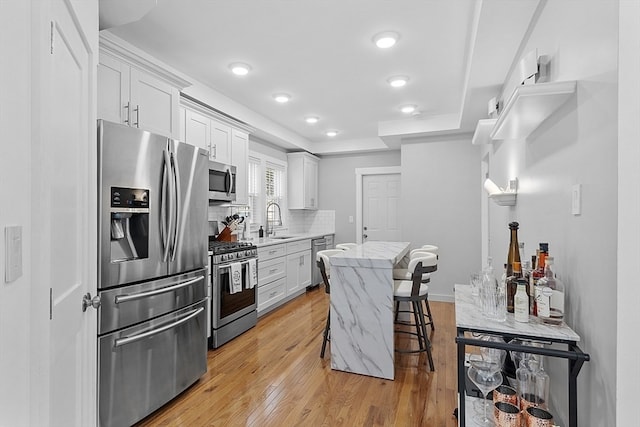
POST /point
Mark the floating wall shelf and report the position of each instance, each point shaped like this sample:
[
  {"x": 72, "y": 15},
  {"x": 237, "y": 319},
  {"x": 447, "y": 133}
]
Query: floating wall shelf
[
  {"x": 504, "y": 199},
  {"x": 529, "y": 106},
  {"x": 483, "y": 129}
]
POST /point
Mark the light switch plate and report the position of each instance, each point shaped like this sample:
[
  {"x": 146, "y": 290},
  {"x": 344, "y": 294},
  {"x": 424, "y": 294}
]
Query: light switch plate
[
  {"x": 576, "y": 199},
  {"x": 13, "y": 253}
]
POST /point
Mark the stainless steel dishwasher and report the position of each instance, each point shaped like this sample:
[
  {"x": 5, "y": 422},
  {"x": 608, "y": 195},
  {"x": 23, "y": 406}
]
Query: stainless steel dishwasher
[{"x": 317, "y": 245}]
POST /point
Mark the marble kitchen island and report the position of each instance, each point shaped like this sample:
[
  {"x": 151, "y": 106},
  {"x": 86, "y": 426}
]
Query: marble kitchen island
[{"x": 362, "y": 308}]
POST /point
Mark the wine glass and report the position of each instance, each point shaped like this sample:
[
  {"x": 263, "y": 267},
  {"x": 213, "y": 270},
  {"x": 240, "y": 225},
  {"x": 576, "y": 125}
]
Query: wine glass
[{"x": 486, "y": 375}]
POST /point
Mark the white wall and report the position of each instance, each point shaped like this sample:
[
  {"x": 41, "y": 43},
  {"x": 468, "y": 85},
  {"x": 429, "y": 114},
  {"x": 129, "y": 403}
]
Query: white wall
[
  {"x": 15, "y": 193},
  {"x": 441, "y": 206},
  {"x": 337, "y": 186},
  {"x": 578, "y": 145},
  {"x": 628, "y": 368}
]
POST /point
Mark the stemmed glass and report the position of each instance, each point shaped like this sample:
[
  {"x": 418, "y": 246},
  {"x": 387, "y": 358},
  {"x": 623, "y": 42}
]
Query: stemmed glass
[{"x": 486, "y": 375}]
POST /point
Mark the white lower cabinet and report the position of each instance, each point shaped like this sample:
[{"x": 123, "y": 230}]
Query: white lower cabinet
[
  {"x": 272, "y": 272},
  {"x": 284, "y": 272},
  {"x": 298, "y": 266}
]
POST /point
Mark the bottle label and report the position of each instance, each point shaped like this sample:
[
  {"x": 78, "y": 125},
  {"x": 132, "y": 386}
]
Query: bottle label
[
  {"x": 521, "y": 312},
  {"x": 543, "y": 300}
]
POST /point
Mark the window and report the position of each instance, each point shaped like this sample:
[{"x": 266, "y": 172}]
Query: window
[
  {"x": 255, "y": 186},
  {"x": 267, "y": 184},
  {"x": 274, "y": 191}
]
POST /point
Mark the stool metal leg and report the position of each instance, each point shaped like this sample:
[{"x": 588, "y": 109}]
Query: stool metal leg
[
  {"x": 426, "y": 303},
  {"x": 424, "y": 334},
  {"x": 326, "y": 333}
]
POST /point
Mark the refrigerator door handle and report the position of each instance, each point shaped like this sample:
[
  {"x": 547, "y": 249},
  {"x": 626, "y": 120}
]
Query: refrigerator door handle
[
  {"x": 133, "y": 338},
  {"x": 165, "y": 222},
  {"x": 178, "y": 204},
  {"x": 119, "y": 299}
]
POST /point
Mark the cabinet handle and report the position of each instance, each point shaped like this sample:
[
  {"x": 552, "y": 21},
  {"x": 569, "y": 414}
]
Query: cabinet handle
[
  {"x": 273, "y": 270},
  {"x": 127, "y": 119},
  {"x": 137, "y": 109},
  {"x": 301, "y": 260},
  {"x": 215, "y": 150}
]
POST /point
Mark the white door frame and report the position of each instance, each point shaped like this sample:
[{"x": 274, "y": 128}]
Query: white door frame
[{"x": 360, "y": 173}]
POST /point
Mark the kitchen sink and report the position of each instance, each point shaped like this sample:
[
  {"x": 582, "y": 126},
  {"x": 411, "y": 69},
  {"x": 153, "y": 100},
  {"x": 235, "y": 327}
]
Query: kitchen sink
[{"x": 281, "y": 237}]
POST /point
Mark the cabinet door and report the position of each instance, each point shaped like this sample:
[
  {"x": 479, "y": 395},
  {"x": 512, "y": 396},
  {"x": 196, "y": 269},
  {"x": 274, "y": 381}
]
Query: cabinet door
[
  {"x": 197, "y": 130},
  {"x": 298, "y": 271},
  {"x": 154, "y": 104},
  {"x": 220, "y": 142},
  {"x": 305, "y": 271},
  {"x": 240, "y": 158},
  {"x": 310, "y": 184},
  {"x": 183, "y": 124},
  {"x": 113, "y": 90}
]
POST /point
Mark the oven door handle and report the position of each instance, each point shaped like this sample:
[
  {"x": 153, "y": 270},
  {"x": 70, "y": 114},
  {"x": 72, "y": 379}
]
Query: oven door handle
[
  {"x": 125, "y": 298},
  {"x": 219, "y": 267},
  {"x": 133, "y": 338}
]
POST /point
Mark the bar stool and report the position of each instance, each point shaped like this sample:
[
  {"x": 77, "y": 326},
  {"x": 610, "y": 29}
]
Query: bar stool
[
  {"x": 405, "y": 274},
  {"x": 415, "y": 292},
  {"x": 322, "y": 261},
  {"x": 346, "y": 246}
]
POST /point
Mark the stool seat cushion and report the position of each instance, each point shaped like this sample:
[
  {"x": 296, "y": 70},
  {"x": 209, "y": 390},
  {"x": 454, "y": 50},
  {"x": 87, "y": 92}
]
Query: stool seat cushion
[
  {"x": 402, "y": 288},
  {"x": 405, "y": 274}
]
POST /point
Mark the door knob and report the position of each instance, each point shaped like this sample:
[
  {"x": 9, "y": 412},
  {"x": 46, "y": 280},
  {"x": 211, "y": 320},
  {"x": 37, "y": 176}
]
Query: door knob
[
  {"x": 365, "y": 228},
  {"x": 87, "y": 301},
  {"x": 365, "y": 236}
]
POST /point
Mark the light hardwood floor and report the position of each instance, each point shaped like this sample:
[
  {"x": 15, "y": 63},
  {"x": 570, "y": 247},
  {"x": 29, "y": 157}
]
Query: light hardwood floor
[{"x": 272, "y": 375}]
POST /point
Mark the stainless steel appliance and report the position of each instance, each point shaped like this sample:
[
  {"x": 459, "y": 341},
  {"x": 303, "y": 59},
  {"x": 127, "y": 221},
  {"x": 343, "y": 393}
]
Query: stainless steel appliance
[
  {"x": 152, "y": 247},
  {"x": 232, "y": 313},
  {"x": 222, "y": 182},
  {"x": 317, "y": 245}
]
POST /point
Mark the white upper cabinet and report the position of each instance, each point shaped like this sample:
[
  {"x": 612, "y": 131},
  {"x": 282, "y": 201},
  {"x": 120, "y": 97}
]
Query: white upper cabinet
[
  {"x": 240, "y": 158},
  {"x": 302, "y": 181},
  {"x": 197, "y": 129},
  {"x": 134, "y": 91},
  {"x": 226, "y": 140},
  {"x": 220, "y": 142}
]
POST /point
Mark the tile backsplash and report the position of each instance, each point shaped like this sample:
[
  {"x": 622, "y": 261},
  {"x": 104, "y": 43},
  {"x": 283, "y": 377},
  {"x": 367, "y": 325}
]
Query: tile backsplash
[{"x": 313, "y": 222}]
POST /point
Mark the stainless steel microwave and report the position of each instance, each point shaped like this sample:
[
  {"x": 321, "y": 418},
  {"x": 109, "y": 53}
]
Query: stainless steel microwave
[{"x": 222, "y": 182}]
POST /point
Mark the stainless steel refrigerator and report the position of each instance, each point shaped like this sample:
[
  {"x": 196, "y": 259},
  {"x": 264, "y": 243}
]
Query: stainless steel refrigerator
[{"x": 152, "y": 248}]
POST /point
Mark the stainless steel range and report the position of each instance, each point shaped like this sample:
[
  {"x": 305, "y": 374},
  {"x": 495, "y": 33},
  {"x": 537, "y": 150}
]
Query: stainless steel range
[{"x": 234, "y": 276}]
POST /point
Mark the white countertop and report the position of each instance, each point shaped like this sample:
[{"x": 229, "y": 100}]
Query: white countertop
[
  {"x": 469, "y": 315},
  {"x": 285, "y": 238},
  {"x": 372, "y": 254}
]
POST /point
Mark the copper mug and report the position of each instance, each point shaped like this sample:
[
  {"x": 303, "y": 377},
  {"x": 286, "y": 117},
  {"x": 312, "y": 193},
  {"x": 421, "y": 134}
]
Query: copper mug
[
  {"x": 537, "y": 417},
  {"x": 506, "y": 414},
  {"x": 505, "y": 393}
]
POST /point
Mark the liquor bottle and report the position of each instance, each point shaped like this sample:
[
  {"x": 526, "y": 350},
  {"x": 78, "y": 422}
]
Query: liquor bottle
[
  {"x": 521, "y": 302},
  {"x": 538, "y": 273},
  {"x": 531, "y": 291},
  {"x": 514, "y": 249},
  {"x": 513, "y": 256},
  {"x": 551, "y": 300},
  {"x": 512, "y": 286}
]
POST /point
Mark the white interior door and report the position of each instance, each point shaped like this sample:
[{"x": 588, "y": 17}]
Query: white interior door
[
  {"x": 66, "y": 180},
  {"x": 380, "y": 207}
]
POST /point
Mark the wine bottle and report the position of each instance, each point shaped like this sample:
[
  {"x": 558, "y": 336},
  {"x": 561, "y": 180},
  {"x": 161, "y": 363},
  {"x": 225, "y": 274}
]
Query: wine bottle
[
  {"x": 512, "y": 286},
  {"x": 513, "y": 257}
]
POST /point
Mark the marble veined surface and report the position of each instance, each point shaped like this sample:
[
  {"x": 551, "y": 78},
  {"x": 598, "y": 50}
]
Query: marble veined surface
[
  {"x": 372, "y": 254},
  {"x": 469, "y": 315},
  {"x": 362, "y": 308}
]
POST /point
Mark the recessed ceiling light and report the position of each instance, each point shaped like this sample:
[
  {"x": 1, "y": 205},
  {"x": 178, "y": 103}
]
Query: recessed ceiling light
[
  {"x": 408, "y": 109},
  {"x": 398, "y": 81},
  {"x": 312, "y": 120},
  {"x": 331, "y": 133},
  {"x": 239, "y": 68},
  {"x": 282, "y": 97},
  {"x": 386, "y": 39}
]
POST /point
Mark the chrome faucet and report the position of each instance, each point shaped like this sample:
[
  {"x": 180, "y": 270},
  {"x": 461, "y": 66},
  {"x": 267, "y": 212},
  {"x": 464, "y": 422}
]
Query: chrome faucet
[{"x": 269, "y": 229}]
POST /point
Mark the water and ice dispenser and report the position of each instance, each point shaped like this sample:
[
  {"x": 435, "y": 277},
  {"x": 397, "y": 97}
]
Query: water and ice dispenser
[{"x": 129, "y": 224}]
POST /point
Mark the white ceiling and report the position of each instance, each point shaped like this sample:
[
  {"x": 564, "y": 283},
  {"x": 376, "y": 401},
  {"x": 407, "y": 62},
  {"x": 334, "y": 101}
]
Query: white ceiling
[{"x": 456, "y": 53}]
